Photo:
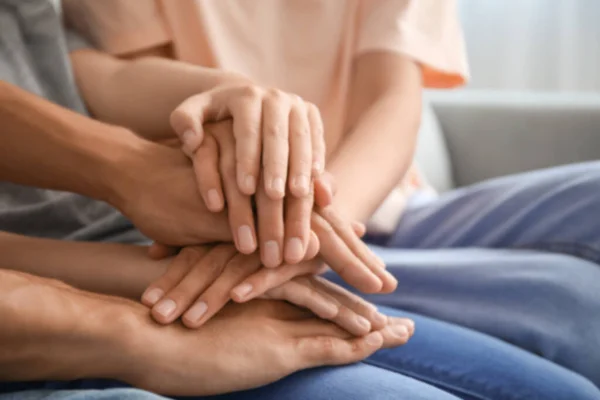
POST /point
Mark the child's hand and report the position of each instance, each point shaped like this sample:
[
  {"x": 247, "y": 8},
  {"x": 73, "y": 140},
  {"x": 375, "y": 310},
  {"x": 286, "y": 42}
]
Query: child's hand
[
  {"x": 279, "y": 128},
  {"x": 201, "y": 280}
]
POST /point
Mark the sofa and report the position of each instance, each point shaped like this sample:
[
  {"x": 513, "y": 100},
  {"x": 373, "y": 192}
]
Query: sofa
[{"x": 469, "y": 136}]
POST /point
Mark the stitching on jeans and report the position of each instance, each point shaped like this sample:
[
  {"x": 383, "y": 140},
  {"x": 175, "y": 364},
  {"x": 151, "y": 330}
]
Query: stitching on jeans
[
  {"x": 579, "y": 250},
  {"x": 469, "y": 381}
]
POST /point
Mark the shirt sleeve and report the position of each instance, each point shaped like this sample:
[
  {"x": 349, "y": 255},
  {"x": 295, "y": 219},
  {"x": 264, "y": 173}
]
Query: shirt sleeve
[
  {"x": 118, "y": 27},
  {"x": 428, "y": 31}
]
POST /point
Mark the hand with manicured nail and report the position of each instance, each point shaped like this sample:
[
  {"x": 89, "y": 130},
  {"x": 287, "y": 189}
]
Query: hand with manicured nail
[
  {"x": 246, "y": 346},
  {"x": 200, "y": 273},
  {"x": 200, "y": 281},
  {"x": 279, "y": 128}
]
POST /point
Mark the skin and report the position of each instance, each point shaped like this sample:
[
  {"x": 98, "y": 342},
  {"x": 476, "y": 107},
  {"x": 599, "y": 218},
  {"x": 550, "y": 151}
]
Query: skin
[
  {"x": 53, "y": 331},
  {"x": 278, "y": 129}
]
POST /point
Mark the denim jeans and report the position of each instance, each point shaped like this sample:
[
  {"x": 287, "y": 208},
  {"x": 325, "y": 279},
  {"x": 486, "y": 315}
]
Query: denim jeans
[{"x": 510, "y": 265}]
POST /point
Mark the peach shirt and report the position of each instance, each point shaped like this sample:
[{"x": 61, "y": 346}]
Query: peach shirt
[{"x": 300, "y": 46}]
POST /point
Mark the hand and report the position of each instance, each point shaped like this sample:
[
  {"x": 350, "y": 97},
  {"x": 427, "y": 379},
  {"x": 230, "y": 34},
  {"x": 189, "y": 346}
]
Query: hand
[
  {"x": 157, "y": 192},
  {"x": 283, "y": 124},
  {"x": 244, "y": 346},
  {"x": 202, "y": 279}
]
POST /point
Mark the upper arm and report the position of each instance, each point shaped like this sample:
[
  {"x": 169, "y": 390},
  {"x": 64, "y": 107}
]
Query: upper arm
[
  {"x": 402, "y": 46},
  {"x": 122, "y": 28}
]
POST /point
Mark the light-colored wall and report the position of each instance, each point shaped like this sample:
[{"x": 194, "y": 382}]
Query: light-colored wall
[{"x": 533, "y": 44}]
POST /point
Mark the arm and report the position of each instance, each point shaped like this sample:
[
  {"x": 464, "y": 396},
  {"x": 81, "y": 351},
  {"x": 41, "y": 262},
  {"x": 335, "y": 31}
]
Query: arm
[
  {"x": 47, "y": 146},
  {"x": 382, "y": 125},
  {"x": 108, "y": 268},
  {"x": 41, "y": 142},
  {"x": 141, "y": 93},
  {"x": 53, "y": 332}
]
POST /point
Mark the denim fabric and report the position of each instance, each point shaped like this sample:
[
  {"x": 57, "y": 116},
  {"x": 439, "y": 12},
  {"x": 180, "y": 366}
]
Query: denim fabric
[{"x": 511, "y": 265}]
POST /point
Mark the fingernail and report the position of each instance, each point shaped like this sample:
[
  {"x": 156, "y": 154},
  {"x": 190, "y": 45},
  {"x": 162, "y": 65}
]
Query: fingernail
[
  {"x": 196, "y": 312},
  {"x": 242, "y": 290},
  {"x": 188, "y": 136},
  {"x": 165, "y": 307},
  {"x": 152, "y": 296},
  {"x": 301, "y": 183},
  {"x": 374, "y": 339},
  {"x": 272, "y": 254},
  {"x": 363, "y": 322},
  {"x": 246, "y": 239},
  {"x": 294, "y": 251},
  {"x": 379, "y": 318},
  {"x": 278, "y": 186},
  {"x": 250, "y": 183},
  {"x": 410, "y": 325},
  {"x": 213, "y": 199},
  {"x": 399, "y": 330}
]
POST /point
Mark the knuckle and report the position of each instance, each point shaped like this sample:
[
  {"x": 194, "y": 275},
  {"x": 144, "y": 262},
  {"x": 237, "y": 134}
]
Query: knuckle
[
  {"x": 190, "y": 255},
  {"x": 299, "y": 132},
  {"x": 250, "y": 90},
  {"x": 276, "y": 132},
  {"x": 327, "y": 347},
  {"x": 275, "y": 94}
]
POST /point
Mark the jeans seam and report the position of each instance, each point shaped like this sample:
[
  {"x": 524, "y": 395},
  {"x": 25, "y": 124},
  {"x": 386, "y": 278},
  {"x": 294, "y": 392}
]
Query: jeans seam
[
  {"x": 408, "y": 370},
  {"x": 575, "y": 249}
]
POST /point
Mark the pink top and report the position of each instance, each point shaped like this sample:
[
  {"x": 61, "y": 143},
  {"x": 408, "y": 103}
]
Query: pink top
[{"x": 300, "y": 46}]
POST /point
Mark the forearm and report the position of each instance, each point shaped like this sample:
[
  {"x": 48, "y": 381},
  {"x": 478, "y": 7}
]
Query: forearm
[
  {"x": 382, "y": 126},
  {"x": 108, "y": 268},
  {"x": 372, "y": 160},
  {"x": 141, "y": 94},
  {"x": 48, "y": 146},
  {"x": 53, "y": 332}
]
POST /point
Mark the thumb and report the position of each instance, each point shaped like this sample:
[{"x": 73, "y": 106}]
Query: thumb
[
  {"x": 188, "y": 118},
  {"x": 317, "y": 351},
  {"x": 324, "y": 190},
  {"x": 158, "y": 251}
]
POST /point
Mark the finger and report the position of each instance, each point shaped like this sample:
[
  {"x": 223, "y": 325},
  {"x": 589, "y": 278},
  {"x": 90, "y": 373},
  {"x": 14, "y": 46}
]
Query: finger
[
  {"x": 317, "y": 139},
  {"x": 356, "y": 305},
  {"x": 247, "y": 112},
  {"x": 300, "y": 172},
  {"x": 239, "y": 206},
  {"x": 218, "y": 293},
  {"x": 327, "y": 350},
  {"x": 265, "y": 279},
  {"x": 342, "y": 260},
  {"x": 270, "y": 227},
  {"x": 200, "y": 276},
  {"x": 176, "y": 270},
  {"x": 359, "y": 228},
  {"x": 302, "y": 293},
  {"x": 298, "y": 211},
  {"x": 407, "y": 322},
  {"x": 344, "y": 230},
  {"x": 206, "y": 168},
  {"x": 313, "y": 247},
  {"x": 394, "y": 335},
  {"x": 275, "y": 126},
  {"x": 158, "y": 251},
  {"x": 323, "y": 192},
  {"x": 187, "y": 120}
]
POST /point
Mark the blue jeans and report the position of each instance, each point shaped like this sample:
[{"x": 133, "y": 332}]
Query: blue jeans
[{"x": 511, "y": 265}]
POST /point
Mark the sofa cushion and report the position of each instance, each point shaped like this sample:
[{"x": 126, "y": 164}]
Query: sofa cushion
[{"x": 432, "y": 154}]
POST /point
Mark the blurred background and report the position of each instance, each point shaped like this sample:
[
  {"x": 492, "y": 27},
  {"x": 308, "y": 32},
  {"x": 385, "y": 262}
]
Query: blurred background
[{"x": 541, "y": 45}]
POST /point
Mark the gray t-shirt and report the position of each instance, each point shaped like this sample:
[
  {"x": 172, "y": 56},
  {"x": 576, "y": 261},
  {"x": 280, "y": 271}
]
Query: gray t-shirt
[{"x": 34, "y": 56}]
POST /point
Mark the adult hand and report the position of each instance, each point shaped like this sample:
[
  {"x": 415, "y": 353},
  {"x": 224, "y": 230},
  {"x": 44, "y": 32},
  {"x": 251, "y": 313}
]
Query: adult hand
[
  {"x": 157, "y": 192},
  {"x": 244, "y": 346},
  {"x": 201, "y": 280},
  {"x": 279, "y": 128}
]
